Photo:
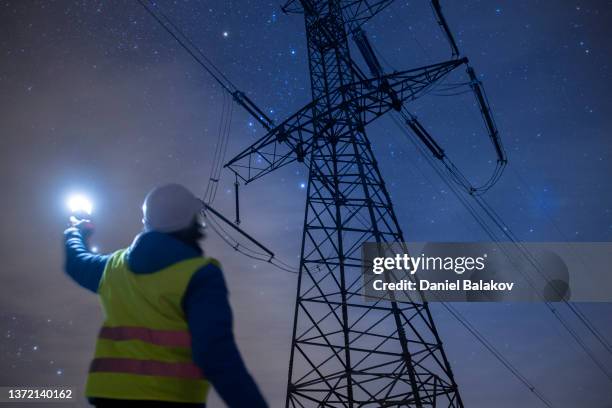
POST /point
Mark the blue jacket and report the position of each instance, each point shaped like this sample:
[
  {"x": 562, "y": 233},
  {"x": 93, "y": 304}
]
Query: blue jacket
[{"x": 213, "y": 346}]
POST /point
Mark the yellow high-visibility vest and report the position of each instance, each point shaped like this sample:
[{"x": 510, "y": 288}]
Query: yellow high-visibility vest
[{"x": 143, "y": 351}]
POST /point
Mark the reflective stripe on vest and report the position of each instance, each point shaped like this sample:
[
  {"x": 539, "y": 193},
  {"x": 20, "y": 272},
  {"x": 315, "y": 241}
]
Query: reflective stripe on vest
[
  {"x": 146, "y": 367},
  {"x": 169, "y": 338}
]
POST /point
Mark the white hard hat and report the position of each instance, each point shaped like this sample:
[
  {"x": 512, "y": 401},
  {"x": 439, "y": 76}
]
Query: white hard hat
[{"x": 169, "y": 208}]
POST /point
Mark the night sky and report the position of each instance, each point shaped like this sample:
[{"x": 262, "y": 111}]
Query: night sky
[{"x": 96, "y": 97}]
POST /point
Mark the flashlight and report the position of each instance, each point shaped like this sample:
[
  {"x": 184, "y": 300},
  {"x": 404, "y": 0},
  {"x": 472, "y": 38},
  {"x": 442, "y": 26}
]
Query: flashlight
[{"x": 80, "y": 206}]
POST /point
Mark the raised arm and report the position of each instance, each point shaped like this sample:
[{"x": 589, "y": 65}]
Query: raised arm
[{"x": 82, "y": 265}]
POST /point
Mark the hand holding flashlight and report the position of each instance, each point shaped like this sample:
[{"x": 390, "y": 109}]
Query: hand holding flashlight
[{"x": 81, "y": 209}]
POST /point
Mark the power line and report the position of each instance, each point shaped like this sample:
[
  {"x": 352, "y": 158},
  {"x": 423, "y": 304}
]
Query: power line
[
  {"x": 246, "y": 251},
  {"x": 476, "y": 192},
  {"x": 496, "y": 353},
  {"x": 506, "y": 231},
  {"x": 189, "y": 46},
  {"x": 220, "y": 150},
  {"x": 198, "y": 55},
  {"x": 592, "y": 328},
  {"x": 224, "y": 126}
]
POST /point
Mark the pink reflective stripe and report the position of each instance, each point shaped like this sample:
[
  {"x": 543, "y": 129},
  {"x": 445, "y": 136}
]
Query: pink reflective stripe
[
  {"x": 170, "y": 338},
  {"x": 146, "y": 367}
]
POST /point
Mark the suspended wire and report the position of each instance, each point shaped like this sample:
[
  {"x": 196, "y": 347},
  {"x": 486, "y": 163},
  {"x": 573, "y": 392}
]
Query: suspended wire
[
  {"x": 462, "y": 319},
  {"x": 443, "y": 88},
  {"x": 224, "y": 128},
  {"x": 213, "y": 180},
  {"x": 533, "y": 261},
  {"x": 459, "y": 93},
  {"x": 246, "y": 251},
  {"x": 459, "y": 178},
  {"x": 590, "y": 326},
  {"x": 225, "y": 143},
  {"x": 506, "y": 230},
  {"x": 192, "y": 49},
  {"x": 489, "y": 232},
  {"x": 220, "y": 150},
  {"x": 496, "y": 353},
  {"x": 439, "y": 89},
  {"x": 457, "y": 315},
  {"x": 235, "y": 244},
  {"x": 443, "y": 85},
  {"x": 212, "y": 187},
  {"x": 211, "y": 193}
]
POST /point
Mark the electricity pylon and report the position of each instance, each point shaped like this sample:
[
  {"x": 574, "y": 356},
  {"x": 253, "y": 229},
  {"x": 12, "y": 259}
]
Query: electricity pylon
[{"x": 347, "y": 352}]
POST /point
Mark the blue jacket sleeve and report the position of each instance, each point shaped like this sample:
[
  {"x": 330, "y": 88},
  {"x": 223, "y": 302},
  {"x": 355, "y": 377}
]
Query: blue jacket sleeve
[
  {"x": 214, "y": 349},
  {"x": 83, "y": 266}
]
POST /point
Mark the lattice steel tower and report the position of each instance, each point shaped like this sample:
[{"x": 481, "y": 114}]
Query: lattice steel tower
[{"x": 347, "y": 352}]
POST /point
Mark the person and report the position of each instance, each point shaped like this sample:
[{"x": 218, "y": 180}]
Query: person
[{"x": 167, "y": 331}]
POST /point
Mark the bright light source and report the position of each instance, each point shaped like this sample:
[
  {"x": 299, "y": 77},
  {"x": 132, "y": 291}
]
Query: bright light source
[{"x": 80, "y": 204}]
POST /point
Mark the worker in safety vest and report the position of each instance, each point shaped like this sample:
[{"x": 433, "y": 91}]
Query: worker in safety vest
[{"x": 167, "y": 331}]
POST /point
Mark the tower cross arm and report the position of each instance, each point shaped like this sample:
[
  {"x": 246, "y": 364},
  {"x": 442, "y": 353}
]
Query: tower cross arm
[
  {"x": 293, "y": 139},
  {"x": 380, "y": 94},
  {"x": 282, "y": 145}
]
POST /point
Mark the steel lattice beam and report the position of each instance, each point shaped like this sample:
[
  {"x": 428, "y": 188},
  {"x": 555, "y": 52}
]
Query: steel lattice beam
[
  {"x": 347, "y": 352},
  {"x": 292, "y": 140}
]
